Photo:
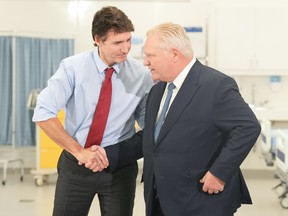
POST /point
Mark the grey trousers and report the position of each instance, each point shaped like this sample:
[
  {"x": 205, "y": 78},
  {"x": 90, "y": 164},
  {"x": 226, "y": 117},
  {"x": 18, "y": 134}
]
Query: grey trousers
[{"x": 77, "y": 186}]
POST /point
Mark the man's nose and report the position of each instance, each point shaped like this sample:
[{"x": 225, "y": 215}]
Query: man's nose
[
  {"x": 145, "y": 62},
  {"x": 126, "y": 47}
]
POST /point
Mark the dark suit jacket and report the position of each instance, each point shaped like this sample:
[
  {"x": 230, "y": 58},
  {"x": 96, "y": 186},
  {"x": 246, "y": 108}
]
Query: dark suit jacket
[
  {"x": 208, "y": 127},
  {"x": 125, "y": 152}
]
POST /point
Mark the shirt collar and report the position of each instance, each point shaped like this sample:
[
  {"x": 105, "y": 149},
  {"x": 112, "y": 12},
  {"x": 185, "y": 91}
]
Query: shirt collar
[
  {"x": 182, "y": 75},
  {"x": 101, "y": 66}
]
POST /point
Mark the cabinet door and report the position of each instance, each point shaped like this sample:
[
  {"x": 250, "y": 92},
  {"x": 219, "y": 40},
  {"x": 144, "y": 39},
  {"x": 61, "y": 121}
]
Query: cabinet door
[
  {"x": 235, "y": 36},
  {"x": 272, "y": 38},
  {"x": 48, "y": 151}
]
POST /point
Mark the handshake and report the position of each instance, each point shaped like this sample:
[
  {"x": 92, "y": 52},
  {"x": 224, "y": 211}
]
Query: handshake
[
  {"x": 93, "y": 158},
  {"x": 97, "y": 158}
]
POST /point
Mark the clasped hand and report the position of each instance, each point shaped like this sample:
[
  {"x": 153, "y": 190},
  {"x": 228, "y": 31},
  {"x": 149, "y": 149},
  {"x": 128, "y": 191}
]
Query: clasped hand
[{"x": 93, "y": 158}]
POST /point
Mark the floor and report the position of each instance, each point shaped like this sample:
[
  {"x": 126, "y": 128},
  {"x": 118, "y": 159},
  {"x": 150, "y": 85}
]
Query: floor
[{"x": 26, "y": 199}]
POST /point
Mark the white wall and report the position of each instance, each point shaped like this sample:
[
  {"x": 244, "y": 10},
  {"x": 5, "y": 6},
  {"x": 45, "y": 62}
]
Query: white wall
[{"x": 64, "y": 18}]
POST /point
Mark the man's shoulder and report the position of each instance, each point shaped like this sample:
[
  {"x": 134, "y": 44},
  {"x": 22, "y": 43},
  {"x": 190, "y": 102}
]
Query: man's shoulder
[
  {"x": 131, "y": 60},
  {"x": 79, "y": 57},
  {"x": 134, "y": 65}
]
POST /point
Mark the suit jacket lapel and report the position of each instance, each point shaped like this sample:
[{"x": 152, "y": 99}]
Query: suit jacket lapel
[{"x": 183, "y": 98}]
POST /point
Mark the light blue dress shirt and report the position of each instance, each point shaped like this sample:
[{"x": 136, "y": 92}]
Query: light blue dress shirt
[{"x": 75, "y": 87}]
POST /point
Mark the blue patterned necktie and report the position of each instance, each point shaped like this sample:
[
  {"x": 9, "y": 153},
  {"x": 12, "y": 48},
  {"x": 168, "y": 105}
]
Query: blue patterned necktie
[{"x": 163, "y": 112}]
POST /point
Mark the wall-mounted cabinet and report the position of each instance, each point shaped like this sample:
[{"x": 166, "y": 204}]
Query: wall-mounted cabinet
[{"x": 252, "y": 39}]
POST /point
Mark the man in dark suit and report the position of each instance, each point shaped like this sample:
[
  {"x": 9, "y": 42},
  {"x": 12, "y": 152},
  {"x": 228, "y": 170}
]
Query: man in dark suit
[{"x": 191, "y": 167}]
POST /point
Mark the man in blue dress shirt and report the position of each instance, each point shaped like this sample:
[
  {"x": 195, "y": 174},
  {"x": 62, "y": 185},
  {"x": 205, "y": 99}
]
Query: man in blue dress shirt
[{"x": 108, "y": 170}]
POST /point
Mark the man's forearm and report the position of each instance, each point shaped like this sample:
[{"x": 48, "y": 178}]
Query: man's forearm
[{"x": 125, "y": 152}]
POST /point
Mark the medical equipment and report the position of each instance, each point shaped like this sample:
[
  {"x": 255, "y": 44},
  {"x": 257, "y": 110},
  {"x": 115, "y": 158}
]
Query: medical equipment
[
  {"x": 47, "y": 155},
  {"x": 268, "y": 145},
  {"x": 281, "y": 164},
  {"x": 7, "y": 158}
]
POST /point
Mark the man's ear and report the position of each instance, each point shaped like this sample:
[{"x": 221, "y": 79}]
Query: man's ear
[
  {"x": 175, "y": 54},
  {"x": 97, "y": 40}
]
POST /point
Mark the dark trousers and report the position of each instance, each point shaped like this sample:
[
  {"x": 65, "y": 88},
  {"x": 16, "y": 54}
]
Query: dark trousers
[{"x": 76, "y": 187}]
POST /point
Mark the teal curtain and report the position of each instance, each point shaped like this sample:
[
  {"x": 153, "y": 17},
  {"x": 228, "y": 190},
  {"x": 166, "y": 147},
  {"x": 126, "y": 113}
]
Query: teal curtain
[
  {"x": 36, "y": 59},
  {"x": 5, "y": 89}
]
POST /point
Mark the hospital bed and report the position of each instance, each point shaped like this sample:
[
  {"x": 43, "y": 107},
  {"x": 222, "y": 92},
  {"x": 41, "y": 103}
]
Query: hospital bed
[
  {"x": 268, "y": 146},
  {"x": 281, "y": 164}
]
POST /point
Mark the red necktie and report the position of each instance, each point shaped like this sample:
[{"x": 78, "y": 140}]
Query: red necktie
[{"x": 98, "y": 125}]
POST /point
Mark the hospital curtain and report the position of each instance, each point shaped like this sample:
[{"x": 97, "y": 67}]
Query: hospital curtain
[
  {"x": 5, "y": 89},
  {"x": 36, "y": 59}
]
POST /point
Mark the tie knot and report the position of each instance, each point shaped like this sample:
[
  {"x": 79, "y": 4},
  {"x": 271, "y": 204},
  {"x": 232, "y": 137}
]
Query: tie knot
[
  {"x": 109, "y": 72},
  {"x": 171, "y": 86}
]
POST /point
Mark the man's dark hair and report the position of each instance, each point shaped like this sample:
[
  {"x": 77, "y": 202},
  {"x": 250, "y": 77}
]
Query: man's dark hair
[{"x": 110, "y": 18}]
